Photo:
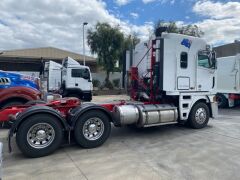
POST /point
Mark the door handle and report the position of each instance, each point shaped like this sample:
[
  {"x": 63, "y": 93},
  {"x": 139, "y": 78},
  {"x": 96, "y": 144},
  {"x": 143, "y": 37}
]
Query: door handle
[{"x": 76, "y": 84}]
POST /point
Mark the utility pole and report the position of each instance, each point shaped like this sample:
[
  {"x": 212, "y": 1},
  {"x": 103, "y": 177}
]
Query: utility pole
[{"x": 84, "y": 24}]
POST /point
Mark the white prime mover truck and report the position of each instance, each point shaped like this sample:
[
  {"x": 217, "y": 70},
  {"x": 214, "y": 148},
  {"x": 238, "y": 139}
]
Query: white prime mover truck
[
  {"x": 228, "y": 81},
  {"x": 178, "y": 87},
  {"x": 73, "y": 79}
]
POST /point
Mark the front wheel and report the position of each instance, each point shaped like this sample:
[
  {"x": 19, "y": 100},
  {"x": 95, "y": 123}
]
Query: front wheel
[
  {"x": 92, "y": 129},
  {"x": 199, "y": 116},
  {"x": 39, "y": 135}
]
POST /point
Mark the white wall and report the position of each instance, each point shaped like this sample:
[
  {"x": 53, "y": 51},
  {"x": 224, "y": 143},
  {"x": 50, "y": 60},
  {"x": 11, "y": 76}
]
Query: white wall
[{"x": 102, "y": 75}]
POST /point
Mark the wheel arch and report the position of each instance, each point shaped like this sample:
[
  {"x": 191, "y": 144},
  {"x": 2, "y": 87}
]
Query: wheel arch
[
  {"x": 205, "y": 100},
  {"x": 79, "y": 111},
  {"x": 194, "y": 100},
  {"x": 31, "y": 111},
  {"x": 13, "y": 99}
]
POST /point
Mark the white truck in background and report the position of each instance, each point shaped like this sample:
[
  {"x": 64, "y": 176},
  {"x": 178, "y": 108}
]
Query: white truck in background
[
  {"x": 71, "y": 78},
  {"x": 228, "y": 81}
]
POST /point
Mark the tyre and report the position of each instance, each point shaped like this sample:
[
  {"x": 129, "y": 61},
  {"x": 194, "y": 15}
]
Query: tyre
[
  {"x": 222, "y": 101},
  {"x": 35, "y": 102},
  {"x": 39, "y": 135},
  {"x": 92, "y": 129},
  {"x": 199, "y": 116},
  {"x": 87, "y": 97}
]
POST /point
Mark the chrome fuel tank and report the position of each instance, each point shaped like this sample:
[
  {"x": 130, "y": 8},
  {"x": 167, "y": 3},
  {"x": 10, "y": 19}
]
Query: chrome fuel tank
[
  {"x": 156, "y": 114},
  {"x": 126, "y": 114},
  {"x": 145, "y": 115}
]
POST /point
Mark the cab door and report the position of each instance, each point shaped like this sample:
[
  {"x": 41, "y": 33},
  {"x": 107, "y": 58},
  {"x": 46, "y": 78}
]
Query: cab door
[
  {"x": 82, "y": 78},
  {"x": 205, "y": 73}
]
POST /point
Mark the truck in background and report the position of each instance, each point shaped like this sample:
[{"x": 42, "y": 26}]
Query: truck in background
[
  {"x": 71, "y": 78},
  {"x": 17, "y": 89},
  {"x": 228, "y": 81}
]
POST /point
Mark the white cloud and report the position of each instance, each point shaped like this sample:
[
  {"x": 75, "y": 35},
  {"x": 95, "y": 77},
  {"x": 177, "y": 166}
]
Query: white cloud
[
  {"x": 172, "y": 2},
  {"x": 134, "y": 15},
  {"x": 122, "y": 2},
  {"x": 217, "y": 10},
  {"x": 222, "y": 23},
  {"x": 56, "y": 23}
]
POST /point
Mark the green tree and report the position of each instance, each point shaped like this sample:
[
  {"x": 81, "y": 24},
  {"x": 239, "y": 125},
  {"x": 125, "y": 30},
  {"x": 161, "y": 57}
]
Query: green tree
[
  {"x": 106, "y": 42},
  {"x": 191, "y": 30},
  {"x": 130, "y": 41}
]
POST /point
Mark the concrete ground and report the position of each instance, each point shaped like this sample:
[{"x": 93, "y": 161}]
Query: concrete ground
[{"x": 167, "y": 152}]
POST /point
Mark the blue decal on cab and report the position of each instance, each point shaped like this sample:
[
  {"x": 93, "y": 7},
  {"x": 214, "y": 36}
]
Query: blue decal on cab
[
  {"x": 8, "y": 79},
  {"x": 187, "y": 43}
]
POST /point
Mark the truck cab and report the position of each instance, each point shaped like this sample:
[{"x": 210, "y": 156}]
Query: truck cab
[
  {"x": 177, "y": 69},
  {"x": 71, "y": 78},
  {"x": 76, "y": 80}
]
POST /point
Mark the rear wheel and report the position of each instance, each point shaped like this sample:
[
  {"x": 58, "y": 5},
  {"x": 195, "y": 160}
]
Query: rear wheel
[
  {"x": 92, "y": 129},
  {"x": 39, "y": 135},
  {"x": 222, "y": 101},
  {"x": 199, "y": 116}
]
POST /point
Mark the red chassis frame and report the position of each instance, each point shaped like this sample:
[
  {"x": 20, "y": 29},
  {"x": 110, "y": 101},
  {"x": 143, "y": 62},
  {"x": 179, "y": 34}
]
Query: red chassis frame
[{"x": 62, "y": 105}]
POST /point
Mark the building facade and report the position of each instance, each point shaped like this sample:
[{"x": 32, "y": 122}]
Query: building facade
[
  {"x": 32, "y": 60},
  {"x": 228, "y": 49}
]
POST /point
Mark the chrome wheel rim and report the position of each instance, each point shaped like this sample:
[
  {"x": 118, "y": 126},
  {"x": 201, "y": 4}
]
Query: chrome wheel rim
[
  {"x": 93, "y": 129},
  {"x": 40, "y": 135},
  {"x": 201, "y": 115}
]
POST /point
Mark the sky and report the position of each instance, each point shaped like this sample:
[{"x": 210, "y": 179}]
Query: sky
[{"x": 58, "y": 23}]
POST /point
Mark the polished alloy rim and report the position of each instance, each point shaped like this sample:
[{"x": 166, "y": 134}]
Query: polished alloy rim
[
  {"x": 40, "y": 135},
  {"x": 93, "y": 129},
  {"x": 201, "y": 115}
]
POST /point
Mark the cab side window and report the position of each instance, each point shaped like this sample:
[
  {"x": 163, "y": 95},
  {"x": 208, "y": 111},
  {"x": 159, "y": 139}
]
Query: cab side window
[
  {"x": 81, "y": 73},
  {"x": 203, "y": 61},
  {"x": 184, "y": 60}
]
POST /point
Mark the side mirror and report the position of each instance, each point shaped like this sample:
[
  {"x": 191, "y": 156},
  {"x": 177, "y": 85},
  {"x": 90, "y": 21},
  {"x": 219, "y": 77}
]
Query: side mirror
[
  {"x": 86, "y": 74},
  {"x": 86, "y": 77},
  {"x": 214, "y": 60}
]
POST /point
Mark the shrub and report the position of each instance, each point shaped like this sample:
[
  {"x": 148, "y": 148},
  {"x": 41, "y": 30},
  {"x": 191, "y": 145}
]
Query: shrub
[
  {"x": 96, "y": 83},
  {"x": 109, "y": 85},
  {"x": 116, "y": 83}
]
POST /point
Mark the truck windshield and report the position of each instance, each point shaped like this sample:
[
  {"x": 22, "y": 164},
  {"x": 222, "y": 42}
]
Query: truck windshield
[{"x": 81, "y": 73}]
